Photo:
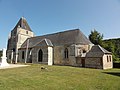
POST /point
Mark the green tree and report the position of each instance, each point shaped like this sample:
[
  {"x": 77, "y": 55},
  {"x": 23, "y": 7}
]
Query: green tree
[
  {"x": 110, "y": 47},
  {"x": 0, "y": 53},
  {"x": 95, "y": 37},
  {"x": 113, "y": 45}
]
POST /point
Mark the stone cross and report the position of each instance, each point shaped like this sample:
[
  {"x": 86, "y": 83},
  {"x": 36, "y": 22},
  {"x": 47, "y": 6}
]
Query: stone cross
[
  {"x": 3, "y": 59},
  {"x": 4, "y": 52}
]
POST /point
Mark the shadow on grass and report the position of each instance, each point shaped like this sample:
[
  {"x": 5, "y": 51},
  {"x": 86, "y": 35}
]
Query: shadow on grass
[{"x": 113, "y": 73}]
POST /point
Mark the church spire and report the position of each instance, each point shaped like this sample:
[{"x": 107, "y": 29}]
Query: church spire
[{"x": 22, "y": 23}]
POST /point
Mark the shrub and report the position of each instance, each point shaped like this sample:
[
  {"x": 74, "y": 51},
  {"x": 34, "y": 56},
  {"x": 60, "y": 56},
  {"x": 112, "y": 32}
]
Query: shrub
[{"x": 0, "y": 53}]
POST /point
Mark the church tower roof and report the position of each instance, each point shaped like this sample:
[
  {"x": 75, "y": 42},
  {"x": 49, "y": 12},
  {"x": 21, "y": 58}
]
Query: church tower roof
[{"x": 22, "y": 23}]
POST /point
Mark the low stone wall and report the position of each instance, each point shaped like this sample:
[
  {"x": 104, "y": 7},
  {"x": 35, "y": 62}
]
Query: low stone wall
[{"x": 93, "y": 63}]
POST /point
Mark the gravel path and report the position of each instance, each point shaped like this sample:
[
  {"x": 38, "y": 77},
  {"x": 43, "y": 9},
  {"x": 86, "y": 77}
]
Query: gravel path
[{"x": 13, "y": 66}]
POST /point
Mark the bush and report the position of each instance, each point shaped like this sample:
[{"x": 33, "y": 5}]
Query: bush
[
  {"x": 115, "y": 59},
  {"x": 0, "y": 53}
]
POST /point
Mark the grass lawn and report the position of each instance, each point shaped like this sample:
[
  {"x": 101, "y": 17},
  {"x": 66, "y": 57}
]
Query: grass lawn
[{"x": 59, "y": 78}]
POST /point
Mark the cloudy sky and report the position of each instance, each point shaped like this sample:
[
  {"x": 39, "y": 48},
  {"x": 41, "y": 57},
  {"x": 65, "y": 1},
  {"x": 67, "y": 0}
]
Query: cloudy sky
[{"x": 50, "y": 16}]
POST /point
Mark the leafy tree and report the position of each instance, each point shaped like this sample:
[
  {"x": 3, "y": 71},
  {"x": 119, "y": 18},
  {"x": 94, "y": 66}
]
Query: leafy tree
[
  {"x": 113, "y": 45},
  {"x": 0, "y": 53},
  {"x": 95, "y": 37}
]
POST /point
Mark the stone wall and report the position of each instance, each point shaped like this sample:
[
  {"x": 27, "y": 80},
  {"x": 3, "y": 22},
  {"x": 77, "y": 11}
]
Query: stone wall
[
  {"x": 78, "y": 61},
  {"x": 23, "y": 35},
  {"x": 35, "y": 55},
  {"x": 59, "y": 55},
  {"x": 20, "y": 56},
  {"x": 93, "y": 62},
  {"x": 10, "y": 56},
  {"x": 32, "y": 55}
]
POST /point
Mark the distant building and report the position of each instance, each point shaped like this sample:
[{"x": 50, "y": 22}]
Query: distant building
[{"x": 63, "y": 48}]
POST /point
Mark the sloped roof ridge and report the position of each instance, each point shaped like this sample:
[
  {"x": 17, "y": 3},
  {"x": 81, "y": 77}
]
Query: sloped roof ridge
[
  {"x": 83, "y": 36},
  {"x": 97, "y": 51},
  {"x": 103, "y": 50},
  {"x": 48, "y": 42},
  {"x": 39, "y": 42},
  {"x": 56, "y": 33}
]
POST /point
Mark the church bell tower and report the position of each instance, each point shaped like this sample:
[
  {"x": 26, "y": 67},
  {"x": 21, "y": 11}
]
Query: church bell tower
[{"x": 18, "y": 35}]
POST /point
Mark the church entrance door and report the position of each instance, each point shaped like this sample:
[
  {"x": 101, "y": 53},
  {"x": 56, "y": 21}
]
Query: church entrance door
[{"x": 40, "y": 55}]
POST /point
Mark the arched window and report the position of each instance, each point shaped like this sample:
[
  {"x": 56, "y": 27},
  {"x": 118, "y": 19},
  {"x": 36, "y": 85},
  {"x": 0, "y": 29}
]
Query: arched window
[
  {"x": 66, "y": 53},
  {"x": 40, "y": 56}
]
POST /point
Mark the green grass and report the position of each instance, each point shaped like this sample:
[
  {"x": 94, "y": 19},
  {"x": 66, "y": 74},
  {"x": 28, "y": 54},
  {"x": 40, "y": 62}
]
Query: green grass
[{"x": 59, "y": 78}]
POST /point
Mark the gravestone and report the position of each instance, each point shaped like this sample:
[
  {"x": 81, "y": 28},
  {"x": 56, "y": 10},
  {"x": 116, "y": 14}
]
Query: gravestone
[{"x": 3, "y": 61}]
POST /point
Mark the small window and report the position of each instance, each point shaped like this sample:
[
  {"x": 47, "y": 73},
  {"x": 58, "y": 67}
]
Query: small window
[
  {"x": 107, "y": 59},
  {"x": 66, "y": 53},
  {"x": 23, "y": 55},
  {"x": 110, "y": 58}
]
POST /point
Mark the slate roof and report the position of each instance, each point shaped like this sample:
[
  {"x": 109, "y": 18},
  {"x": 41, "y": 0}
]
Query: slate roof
[
  {"x": 97, "y": 51},
  {"x": 23, "y": 24},
  {"x": 47, "y": 41},
  {"x": 61, "y": 38}
]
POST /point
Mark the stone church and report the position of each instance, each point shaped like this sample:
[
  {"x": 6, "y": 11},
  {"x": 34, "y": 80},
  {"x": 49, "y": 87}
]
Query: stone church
[{"x": 62, "y": 48}]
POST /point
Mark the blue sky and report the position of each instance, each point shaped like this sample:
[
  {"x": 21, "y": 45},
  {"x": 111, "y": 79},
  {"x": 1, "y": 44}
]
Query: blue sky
[{"x": 49, "y": 16}]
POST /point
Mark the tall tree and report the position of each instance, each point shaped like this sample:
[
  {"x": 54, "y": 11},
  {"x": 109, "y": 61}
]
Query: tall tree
[
  {"x": 95, "y": 37},
  {"x": 113, "y": 45},
  {"x": 0, "y": 53}
]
